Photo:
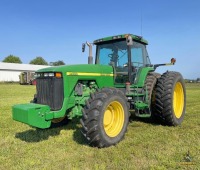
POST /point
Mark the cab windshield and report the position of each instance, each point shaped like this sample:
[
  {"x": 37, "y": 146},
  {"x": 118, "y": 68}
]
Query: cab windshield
[{"x": 113, "y": 53}]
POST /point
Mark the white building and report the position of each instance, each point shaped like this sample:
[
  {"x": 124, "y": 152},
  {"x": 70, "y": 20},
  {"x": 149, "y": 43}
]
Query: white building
[{"x": 9, "y": 72}]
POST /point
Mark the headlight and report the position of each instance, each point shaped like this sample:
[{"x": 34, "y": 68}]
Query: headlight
[
  {"x": 51, "y": 74},
  {"x": 57, "y": 74},
  {"x": 46, "y": 74}
]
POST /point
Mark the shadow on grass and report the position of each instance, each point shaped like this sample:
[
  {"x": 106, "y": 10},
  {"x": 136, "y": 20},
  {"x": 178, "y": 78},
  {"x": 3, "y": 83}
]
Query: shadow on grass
[
  {"x": 38, "y": 135},
  {"x": 152, "y": 121},
  {"x": 79, "y": 138},
  {"x": 77, "y": 135}
]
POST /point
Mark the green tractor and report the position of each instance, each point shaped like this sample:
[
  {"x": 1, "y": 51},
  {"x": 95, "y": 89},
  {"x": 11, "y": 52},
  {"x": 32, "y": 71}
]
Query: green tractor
[{"x": 103, "y": 95}]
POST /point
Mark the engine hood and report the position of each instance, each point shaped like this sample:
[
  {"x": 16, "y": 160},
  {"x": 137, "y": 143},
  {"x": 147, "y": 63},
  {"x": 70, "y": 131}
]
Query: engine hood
[{"x": 79, "y": 69}]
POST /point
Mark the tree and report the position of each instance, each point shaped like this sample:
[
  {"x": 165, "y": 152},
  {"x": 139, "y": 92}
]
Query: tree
[
  {"x": 57, "y": 63},
  {"x": 12, "y": 59},
  {"x": 38, "y": 61}
]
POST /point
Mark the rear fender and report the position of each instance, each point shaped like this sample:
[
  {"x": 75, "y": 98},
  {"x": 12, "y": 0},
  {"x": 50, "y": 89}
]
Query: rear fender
[{"x": 141, "y": 76}]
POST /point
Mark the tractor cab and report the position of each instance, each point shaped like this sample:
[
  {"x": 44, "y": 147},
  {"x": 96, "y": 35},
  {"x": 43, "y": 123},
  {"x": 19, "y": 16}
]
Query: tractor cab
[{"x": 125, "y": 56}]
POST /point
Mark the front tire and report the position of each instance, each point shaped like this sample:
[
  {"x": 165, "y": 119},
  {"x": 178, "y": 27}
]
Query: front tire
[
  {"x": 105, "y": 117},
  {"x": 170, "y": 98}
]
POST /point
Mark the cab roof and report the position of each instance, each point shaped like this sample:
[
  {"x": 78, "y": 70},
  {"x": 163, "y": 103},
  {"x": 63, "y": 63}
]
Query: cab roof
[{"x": 121, "y": 36}]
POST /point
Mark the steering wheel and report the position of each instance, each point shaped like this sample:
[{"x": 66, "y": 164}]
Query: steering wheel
[{"x": 110, "y": 55}]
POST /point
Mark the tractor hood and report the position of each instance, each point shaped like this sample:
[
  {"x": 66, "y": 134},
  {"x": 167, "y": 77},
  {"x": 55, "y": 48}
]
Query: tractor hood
[
  {"x": 80, "y": 69},
  {"x": 101, "y": 74}
]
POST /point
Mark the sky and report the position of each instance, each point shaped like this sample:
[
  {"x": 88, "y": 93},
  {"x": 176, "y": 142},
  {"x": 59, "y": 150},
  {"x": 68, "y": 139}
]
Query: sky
[{"x": 56, "y": 29}]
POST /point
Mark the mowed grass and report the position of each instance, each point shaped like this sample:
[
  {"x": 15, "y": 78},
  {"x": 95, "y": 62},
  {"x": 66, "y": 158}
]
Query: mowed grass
[{"x": 145, "y": 146}]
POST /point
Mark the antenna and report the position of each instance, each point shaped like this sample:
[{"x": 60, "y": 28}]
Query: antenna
[{"x": 141, "y": 22}]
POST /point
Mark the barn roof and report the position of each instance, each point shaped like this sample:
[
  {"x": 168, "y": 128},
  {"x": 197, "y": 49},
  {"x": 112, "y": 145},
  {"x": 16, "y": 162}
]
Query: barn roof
[{"x": 20, "y": 67}]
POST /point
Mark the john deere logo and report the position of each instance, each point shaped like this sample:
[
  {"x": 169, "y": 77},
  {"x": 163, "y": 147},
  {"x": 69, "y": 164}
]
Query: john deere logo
[{"x": 187, "y": 160}]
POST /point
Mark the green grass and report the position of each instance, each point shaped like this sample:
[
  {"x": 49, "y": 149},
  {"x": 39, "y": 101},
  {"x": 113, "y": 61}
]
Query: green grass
[{"x": 146, "y": 145}]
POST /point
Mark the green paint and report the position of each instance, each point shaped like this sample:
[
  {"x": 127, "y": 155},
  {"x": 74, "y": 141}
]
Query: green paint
[
  {"x": 141, "y": 76},
  {"x": 76, "y": 111},
  {"x": 32, "y": 114},
  {"x": 141, "y": 105}
]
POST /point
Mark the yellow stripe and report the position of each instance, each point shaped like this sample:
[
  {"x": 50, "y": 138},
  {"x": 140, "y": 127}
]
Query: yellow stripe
[{"x": 87, "y": 74}]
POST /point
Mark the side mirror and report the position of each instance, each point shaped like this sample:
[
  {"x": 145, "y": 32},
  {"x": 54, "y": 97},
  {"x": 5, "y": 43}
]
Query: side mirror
[
  {"x": 83, "y": 47},
  {"x": 173, "y": 61}
]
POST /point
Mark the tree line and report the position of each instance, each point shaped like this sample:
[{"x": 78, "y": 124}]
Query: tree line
[{"x": 37, "y": 61}]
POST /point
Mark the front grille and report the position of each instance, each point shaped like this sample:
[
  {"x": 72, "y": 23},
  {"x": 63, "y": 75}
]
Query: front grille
[{"x": 50, "y": 92}]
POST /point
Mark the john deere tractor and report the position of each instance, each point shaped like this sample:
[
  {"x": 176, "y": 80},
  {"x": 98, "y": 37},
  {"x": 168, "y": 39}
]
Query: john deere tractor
[{"x": 122, "y": 81}]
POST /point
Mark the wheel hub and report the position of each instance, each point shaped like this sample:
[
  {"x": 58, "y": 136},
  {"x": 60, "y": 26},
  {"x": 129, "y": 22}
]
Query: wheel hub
[
  {"x": 108, "y": 117},
  {"x": 178, "y": 100},
  {"x": 113, "y": 119}
]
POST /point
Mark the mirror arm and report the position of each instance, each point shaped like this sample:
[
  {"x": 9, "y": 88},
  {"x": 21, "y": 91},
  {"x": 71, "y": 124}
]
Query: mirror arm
[{"x": 173, "y": 61}]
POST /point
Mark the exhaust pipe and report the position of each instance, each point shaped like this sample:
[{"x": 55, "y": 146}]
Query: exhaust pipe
[{"x": 90, "y": 58}]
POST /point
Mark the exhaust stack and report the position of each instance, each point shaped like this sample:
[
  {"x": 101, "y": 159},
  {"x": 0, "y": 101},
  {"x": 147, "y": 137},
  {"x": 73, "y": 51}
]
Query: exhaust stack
[{"x": 90, "y": 58}]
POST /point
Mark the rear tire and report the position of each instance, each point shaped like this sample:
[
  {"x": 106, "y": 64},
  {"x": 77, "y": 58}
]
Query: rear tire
[
  {"x": 150, "y": 84},
  {"x": 105, "y": 118},
  {"x": 170, "y": 98}
]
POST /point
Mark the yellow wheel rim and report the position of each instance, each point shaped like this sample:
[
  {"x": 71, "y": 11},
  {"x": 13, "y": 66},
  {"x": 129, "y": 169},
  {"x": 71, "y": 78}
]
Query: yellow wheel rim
[
  {"x": 113, "y": 119},
  {"x": 178, "y": 100}
]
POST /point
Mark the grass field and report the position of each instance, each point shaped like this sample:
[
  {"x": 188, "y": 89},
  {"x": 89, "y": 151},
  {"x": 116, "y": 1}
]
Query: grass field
[{"x": 146, "y": 145}]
